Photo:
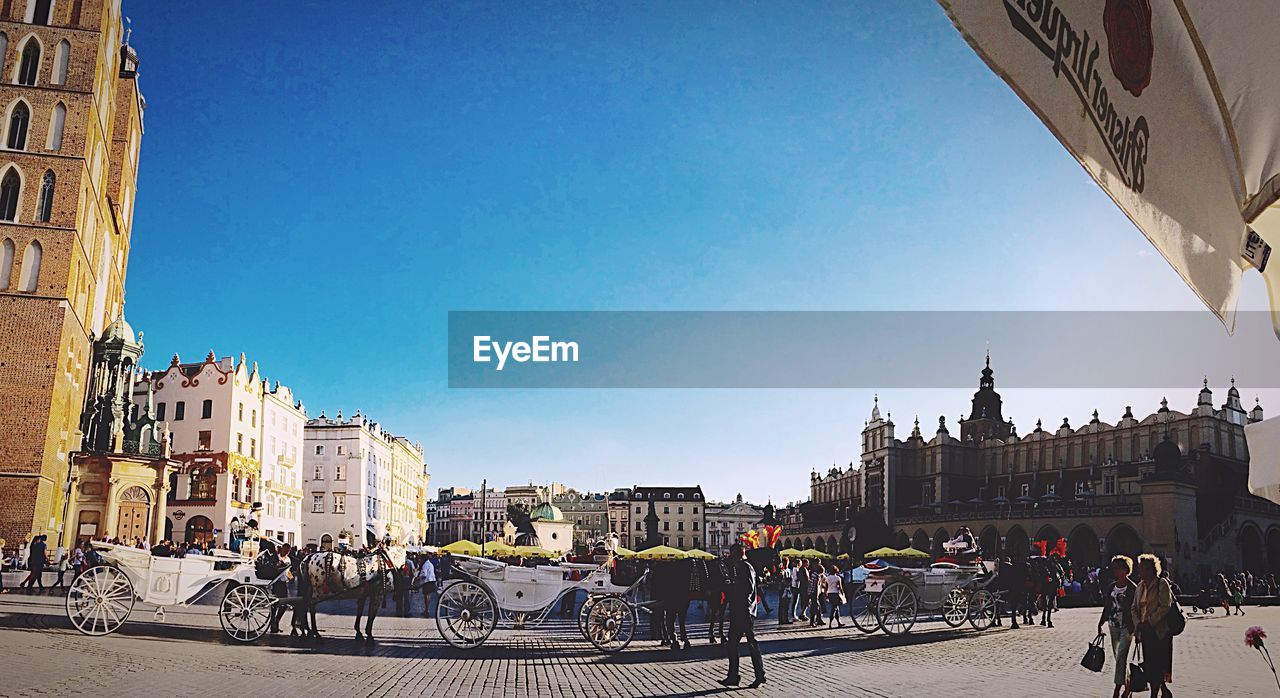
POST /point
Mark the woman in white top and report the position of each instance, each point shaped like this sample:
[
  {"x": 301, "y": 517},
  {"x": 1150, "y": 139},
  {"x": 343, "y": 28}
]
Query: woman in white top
[{"x": 834, "y": 589}]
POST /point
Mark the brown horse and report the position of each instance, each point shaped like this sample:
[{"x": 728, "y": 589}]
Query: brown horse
[{"x": 368, "y": 578}]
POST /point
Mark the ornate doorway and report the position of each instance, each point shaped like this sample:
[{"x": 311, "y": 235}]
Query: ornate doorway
[{"x": 133, "y": 515}]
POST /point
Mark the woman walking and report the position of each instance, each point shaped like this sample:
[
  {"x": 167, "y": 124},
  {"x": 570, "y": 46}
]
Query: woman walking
[
  {"x": 834, "y": 589},
  {"x": 1117, "y": 606},
  {"x": 1151, "y": 604},
  {"x": 1237, "y": 597}
]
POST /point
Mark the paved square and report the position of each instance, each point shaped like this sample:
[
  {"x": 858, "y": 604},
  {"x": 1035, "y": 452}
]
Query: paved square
[{"x": 188, "y": 654}]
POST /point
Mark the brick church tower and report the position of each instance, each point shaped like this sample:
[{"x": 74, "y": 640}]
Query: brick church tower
[{"x": 70, "y": 130}]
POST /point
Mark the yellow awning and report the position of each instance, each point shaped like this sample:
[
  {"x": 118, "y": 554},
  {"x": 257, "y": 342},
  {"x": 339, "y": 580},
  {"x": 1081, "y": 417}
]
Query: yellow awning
[
  {"x": 662, "y": 552},
  {"x": 701, "y": 555},
  {"x": 462, "y": 547}
]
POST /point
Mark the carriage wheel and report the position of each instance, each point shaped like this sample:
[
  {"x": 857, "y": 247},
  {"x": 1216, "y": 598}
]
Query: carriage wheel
[
  {"x": 862, "y": 609},
  {"x": 611, "y": 624},
  {"x": 582, "y": 614},
  {"x": 466, "y": 614},
  {"x": 955, "y": 608},
  {"x": 246, "y": 612},
  {"x": 99, "y": 601},
  {"x": 982, "y": 609},
  {"x": 896, "y": 608}
]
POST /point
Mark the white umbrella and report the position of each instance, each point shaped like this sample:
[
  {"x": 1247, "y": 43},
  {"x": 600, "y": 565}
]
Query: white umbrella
[{"x": 1172, "y": 106}]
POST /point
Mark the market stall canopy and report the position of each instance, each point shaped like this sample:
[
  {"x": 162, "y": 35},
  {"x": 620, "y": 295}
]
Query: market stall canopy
[
  {"x": 498, "y": 549},
  {"x": 462, "y": 547},
  {"x": 535, "y": 551},
  {"x": 881, "y": 552},
  {"x": 812, "y": 554},
  {"x": 624, "y": 552},
  {"x": 701, "y": 555},
  {"x": 1171, "y": 107},
  {"x": 910, "y": 552},
  {"x": 789, "y": 552},
  {"x": 662, "y": 552}
]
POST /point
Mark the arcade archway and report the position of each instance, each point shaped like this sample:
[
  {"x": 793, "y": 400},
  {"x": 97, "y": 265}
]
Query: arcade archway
[{"x": 1123, "y": 540}]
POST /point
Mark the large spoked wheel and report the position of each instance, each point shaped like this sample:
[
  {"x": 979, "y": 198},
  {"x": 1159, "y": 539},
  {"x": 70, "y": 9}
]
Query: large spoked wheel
[
  {"x": 982, "y": 609},
  {"x": 99, "y": 601},
  {"x": 955, "y": 608},
  {"x": 896, "y": 608},
  {"x": 466, "y": 614},
  {"x": 246, "y": 612},
  {"x": 583, "y": 611},
  {"x": 862, "y": 609},
  {"x": 611, "y": 624}
]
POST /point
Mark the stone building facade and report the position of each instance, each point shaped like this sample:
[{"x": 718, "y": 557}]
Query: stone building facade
[
  {"x": 589, "y": 514},
  {"x": 1172, "y": 483},
  {"x": 681, "y": 514},
  {"x": 219, "y": 412},
  {"x": 72, "y": 127},
  {"x": 726, "y": 522}
]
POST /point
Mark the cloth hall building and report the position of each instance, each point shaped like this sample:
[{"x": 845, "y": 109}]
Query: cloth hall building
[{"x": 1172, "y": 483}]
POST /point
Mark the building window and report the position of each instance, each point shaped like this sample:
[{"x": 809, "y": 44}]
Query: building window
[
  {"x": 44, "y": 206},
  {"x": 31, "y": 267},
  {"x": 7, "y": 252},
  {"x": 319, "y": 473},
  {"x": 1051, "y": 488},
  {"x": 679, "y": 525},
  {"x": 695, "y": 525},
  {"x": 679, "y": 510},
  {"x": 240, "y": 444},
  {"x": 40, "y": 13},
  {"x": 61, "y": 57},
  {"x": 1026, "y": 490},
  {"x": 666, "y": 495},
  {"x": 240, "y": 412},
  {"x": 639, "y": 527},
  {"x": 179, "y": 410},
  {"x": 253, "y": 448},
  {"x": 30, "y": 64},
  {"x": 253, "y": 418},
  {"x": 339, "y": 450},
  {"x": 337, "y": 474},
  {"x": 637, "y": 510},
  {"x": 1108, "y": 484},
  {"x": 10, "y": 188},
  {"x": 339, "y": 504},
  {"x": 204, "y": 484},
  {"x": 319, "y": 449},
  {"x": 160, "y": 412},
  {"x": 317, "y": 504},
  {"x": 204, "y": 441},
  {"x": 695, "y": 510},
  {"x": 19, "y": 120},
  {"x": 666, "y": 510},
  {"x": 666, "y": 525},
  {"x": 206, "y": 409}
]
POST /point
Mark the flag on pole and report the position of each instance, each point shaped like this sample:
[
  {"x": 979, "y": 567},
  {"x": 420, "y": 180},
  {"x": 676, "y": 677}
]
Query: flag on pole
[{"x": 1172, "y": 106}]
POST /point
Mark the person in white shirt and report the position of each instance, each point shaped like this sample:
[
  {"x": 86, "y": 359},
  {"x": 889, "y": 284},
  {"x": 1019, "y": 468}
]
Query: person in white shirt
[
  {"x": 786, "y": 606},
  {"x": 426, "y": 579}
]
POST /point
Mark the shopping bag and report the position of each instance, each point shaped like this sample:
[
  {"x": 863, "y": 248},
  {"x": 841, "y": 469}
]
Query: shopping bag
[
  {"x": 1094, "y": 657},
  {"x": 1137, "y": 674}
]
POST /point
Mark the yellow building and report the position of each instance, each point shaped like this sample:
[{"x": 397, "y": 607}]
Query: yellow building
[{"x": 71, "y": 127}]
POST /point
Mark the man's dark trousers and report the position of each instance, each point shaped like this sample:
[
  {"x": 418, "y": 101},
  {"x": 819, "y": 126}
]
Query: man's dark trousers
[{"x": 741, "y": 625}]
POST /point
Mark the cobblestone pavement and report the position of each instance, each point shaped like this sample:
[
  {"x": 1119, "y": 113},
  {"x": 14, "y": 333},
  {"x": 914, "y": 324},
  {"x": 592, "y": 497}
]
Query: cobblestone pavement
[{"x": 188, "y": 655}]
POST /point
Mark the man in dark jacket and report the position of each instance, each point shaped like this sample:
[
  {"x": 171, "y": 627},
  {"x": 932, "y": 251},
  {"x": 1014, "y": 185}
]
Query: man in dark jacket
[{"x": 742, "y": 599}]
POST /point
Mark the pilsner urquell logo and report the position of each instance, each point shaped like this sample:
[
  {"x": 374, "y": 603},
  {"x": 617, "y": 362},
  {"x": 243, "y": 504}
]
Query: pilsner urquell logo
[{"x": 1075, "y": 57}]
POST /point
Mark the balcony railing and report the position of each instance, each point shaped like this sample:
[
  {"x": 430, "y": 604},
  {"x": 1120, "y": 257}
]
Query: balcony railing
[{"x": 151, "y": 449}]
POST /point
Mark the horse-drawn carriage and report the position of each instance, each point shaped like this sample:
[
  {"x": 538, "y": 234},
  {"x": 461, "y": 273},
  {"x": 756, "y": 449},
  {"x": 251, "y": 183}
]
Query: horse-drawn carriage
[
  {"x": 892, "y": 597},
  {"x": 483, "y": 592},
  {"x": 100, "y": 600}
]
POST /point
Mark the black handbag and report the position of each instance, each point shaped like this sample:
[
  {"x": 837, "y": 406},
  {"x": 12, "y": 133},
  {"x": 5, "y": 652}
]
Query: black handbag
[
  {"x": 1175, "y": 619},
  {"x": 1094, "y": 657},
  {"x": 1137, "y": 673}
]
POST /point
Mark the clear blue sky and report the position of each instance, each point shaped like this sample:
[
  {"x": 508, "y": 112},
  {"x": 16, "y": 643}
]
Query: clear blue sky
[{"x": 319, "y": 188}]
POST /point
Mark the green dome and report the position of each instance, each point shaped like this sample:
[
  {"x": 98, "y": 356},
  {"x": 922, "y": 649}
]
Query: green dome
[{"x": 546, "y": 511}]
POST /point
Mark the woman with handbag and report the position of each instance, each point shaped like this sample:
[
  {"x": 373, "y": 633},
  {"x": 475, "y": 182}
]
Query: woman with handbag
[
  {"x": 1153, "y": 601},
  {"x": 835, "y": 594},
  {"x": 1117, "y": 606}
]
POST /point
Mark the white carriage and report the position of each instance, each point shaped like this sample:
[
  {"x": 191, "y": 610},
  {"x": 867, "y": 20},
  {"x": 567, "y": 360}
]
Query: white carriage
[
  {"x": 100, "y": 600},
  {"x": 892, "y": 598},
  {"x": 484, "y": 592}
]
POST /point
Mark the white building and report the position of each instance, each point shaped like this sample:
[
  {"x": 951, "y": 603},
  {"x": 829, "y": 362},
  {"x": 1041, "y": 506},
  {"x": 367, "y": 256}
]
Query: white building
[
  {"x": 359, "y": 482},
  {"x": 727, "y": 522},
  {"x": 283, "y": 421},
  {"x": 215, "y": 411}
]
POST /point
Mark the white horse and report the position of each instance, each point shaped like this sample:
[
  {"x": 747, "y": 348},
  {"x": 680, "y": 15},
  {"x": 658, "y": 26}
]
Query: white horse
[{"x": 329, "y": 575}]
